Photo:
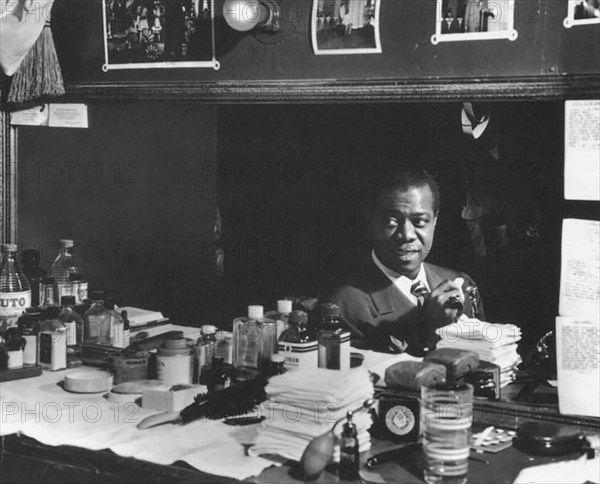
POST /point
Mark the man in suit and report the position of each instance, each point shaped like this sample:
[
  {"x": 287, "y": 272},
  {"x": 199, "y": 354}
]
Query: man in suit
[{"x": 395, "y": 300}]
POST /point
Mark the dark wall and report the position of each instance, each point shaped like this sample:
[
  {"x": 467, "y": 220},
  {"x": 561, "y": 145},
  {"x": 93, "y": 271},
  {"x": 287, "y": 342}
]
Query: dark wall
[
  {"x": 132, "y": 192},
  {"x": 292, "y": 181},
  {"x": 543, "y": 46}
]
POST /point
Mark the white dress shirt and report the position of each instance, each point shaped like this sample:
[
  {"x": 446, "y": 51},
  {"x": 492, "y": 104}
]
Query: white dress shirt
[{"x": 402, "y": 283}]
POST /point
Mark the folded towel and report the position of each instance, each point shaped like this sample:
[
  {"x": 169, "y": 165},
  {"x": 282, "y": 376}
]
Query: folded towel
[{"x": 472, "y": 329}]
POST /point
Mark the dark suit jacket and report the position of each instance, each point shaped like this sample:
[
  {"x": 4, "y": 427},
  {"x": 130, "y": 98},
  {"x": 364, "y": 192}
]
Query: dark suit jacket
[{"x": 370, "y": 297}]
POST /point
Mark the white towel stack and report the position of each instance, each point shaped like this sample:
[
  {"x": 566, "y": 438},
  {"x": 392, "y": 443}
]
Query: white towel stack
[
  {"x": 302, "y": 405},
  {"x": 496, "y": 343}
]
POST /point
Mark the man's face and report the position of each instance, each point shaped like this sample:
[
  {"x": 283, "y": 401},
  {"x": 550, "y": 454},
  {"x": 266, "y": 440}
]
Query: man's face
[{"x": 402, "y": 228}]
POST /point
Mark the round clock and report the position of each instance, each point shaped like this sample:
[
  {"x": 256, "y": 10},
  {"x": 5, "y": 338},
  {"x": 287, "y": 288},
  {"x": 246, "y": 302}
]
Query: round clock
[{"x": 398, "y": 418}]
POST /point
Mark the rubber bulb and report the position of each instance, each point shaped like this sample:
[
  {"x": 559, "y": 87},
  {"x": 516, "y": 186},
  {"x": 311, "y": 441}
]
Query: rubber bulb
[{"x": 317, "y": 455}]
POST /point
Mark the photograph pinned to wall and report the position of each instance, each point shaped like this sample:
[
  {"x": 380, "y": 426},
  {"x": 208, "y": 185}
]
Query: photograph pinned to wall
[
  {"x": 458, "y": 20},
  {"x": 145, "y": 34},
  {"x": 582, "y": 12},
  {"x": 346, "y": 27}
]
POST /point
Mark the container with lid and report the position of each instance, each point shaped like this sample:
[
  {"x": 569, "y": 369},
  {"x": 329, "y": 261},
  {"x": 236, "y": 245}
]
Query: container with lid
[{"x": 174, "y": 362}]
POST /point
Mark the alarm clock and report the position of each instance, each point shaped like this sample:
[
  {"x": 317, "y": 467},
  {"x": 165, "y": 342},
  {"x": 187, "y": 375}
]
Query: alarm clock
[{"x": 398, "y": 418}]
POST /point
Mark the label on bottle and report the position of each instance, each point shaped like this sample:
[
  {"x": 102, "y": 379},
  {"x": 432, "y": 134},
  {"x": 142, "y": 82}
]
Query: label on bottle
[
  {"x": 299, "y": 356},
  {"x": 30, "y": 350},
  {"x": 63, "y": 289},
  {"x": 71, "y": 333},
  {"x": 53, "y": 350},
  {"x": 334, "y": 350},
  {"x": 13, "y": 304},
  {"x": 82, "y": 292}
]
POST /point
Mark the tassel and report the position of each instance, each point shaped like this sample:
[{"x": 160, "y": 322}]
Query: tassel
[{"x": 39, "y": 74}]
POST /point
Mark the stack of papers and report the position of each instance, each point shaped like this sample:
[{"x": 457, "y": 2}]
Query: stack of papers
[
  {"x": 496, "y": 343},
  {"x": 143, "y": 317},
  {"x": 302, "y": 405}
]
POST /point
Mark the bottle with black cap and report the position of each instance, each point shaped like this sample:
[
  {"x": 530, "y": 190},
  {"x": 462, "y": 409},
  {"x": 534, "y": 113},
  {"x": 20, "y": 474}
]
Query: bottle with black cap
[
  {"x": 297, "y": 345},
  {"x": 349, "y": 451},
  {"x": 334, "y": 341},
  {"x": 30, "y": 260}
]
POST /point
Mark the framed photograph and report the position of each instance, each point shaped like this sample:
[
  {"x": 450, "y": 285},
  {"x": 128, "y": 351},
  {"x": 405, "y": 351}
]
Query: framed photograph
[
  {"x": 582, "y": 12},
  {"x": 345, "y": 27},
  {"x": 144, "y": 34},
  {"x": 458, "y": 20}
]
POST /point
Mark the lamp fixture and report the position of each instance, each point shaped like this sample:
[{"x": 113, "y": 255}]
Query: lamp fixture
[{"x": 245, "y": 15}]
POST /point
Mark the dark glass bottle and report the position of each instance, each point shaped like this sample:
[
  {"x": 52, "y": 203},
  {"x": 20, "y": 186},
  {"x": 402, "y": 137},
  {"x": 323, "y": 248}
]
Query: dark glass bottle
[
  {"x": 334, "y": 341},
  {"x": 349, "y": 452},
  {"x": 30, "y": 260},
  {"x": 297, "y": 344}
]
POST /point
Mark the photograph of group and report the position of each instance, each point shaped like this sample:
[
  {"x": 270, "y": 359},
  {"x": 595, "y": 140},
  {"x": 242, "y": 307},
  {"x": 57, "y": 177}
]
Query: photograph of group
[
  {"x": 157, "y": 33},
  {"x": 458, "y": 20},
  {"x": 346, "y": 27}
]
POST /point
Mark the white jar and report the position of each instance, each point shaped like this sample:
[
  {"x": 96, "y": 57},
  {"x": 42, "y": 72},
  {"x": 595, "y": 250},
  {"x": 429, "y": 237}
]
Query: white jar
[{"x": 174, "y": 362}]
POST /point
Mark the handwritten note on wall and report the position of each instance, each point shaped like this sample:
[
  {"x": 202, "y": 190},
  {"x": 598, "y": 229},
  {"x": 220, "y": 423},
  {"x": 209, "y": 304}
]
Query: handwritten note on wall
[
  {"x": 578, "y": 326},
  {"x": 582, "y": 150}
]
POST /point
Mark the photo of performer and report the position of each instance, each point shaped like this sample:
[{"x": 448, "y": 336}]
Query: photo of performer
[{"x": 346, "y": 27}]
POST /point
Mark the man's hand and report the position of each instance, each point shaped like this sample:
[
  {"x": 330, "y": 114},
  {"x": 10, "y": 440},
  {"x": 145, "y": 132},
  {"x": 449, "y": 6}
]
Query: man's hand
[{"x": 435, "y": 312}]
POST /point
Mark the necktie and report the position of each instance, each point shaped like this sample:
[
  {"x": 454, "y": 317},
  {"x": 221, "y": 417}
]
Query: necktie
[{"x": 420, "y": 291}]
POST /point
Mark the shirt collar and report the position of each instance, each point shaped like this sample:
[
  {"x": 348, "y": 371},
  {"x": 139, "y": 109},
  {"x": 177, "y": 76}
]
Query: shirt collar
[{"x": 402, "y": 282}]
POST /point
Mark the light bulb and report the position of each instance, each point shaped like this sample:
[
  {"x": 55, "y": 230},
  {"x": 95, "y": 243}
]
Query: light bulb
[{"x": 244, "y": 15}]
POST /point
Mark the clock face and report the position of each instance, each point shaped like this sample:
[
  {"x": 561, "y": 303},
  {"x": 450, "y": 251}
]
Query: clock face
[{"x": 400, "y": 420}]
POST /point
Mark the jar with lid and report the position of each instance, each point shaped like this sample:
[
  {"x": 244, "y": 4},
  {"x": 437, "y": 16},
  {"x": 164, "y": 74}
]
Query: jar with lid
[
  {"x": 174, "y": 362},
  {"x": 15, "y": 291}
]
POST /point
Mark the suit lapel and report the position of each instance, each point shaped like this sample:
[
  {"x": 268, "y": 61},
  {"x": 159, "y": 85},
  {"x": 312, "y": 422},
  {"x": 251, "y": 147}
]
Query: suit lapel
[
  {"x": 433, "y": 278},
  {"x": 386, "y": 297}
]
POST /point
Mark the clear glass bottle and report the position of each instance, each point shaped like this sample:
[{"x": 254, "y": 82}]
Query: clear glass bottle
[
  {"x": 255, "y": 339},
  {"x": 97, "y": 321},
  {"x": 63, "y": 266},
  {"x": 284, "y": 308},
  {"x": 334, "y": 341},
  {"x": 224, "y": 346},
  {"x": 116, "y": 324},
  {"x": 72, "y": 321},
  {"x": 47, "y": 293},
  {"x": 15, "y": 291},
  {"x": 30, "y": 260},
  {"x": 29, "y": 326},
  {"x": 79, "y": 287},
  {"x": 297, "y": 344}
]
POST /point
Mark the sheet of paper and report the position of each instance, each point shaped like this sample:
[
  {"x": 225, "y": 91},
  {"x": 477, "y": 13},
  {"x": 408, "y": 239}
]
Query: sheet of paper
[
  {"x": 580, "y": 269},
  {"x": 578, "y": 365},
  {"x": 36, "y": 116},
  {"x": 582, "y": 150},
  {"x": 68, "y": 116}
]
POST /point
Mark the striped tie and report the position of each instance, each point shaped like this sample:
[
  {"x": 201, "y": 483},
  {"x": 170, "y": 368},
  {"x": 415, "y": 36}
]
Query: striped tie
[{"x": 419, "y": 290}]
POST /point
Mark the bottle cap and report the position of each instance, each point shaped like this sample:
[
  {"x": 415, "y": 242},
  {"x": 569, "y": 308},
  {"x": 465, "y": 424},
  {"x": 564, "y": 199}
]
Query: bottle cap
[
  {"x": 330, "y": 310},
  {"x": 67, "y": 301},
  {"x": 208, "y": 329},
  {"x": 256, "y": 312},
  {"x": 9, "y": 247},
  {"x": 298, "y": 317},
  {"x": 67, "y": 242},
  {"x": 30, "y": 257},
  {"x": 284, "y": 306},
  {"x": 47, "y": 280},
  {"x": 277, "y": 358}
]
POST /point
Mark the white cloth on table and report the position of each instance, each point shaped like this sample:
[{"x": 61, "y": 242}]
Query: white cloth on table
[{"x": 39, "y": 408}]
